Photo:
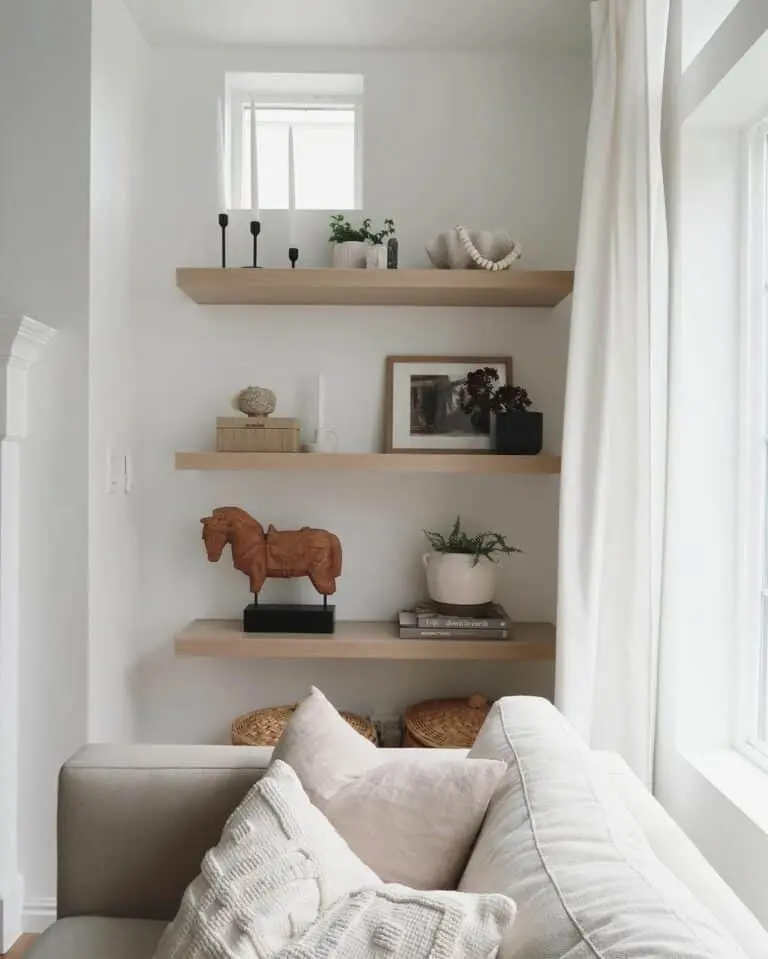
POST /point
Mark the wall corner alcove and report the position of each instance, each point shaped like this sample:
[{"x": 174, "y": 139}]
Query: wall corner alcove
[{"x": 21, "y": 342}]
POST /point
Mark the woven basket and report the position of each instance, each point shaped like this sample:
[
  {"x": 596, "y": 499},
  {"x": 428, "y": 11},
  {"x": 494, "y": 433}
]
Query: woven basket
[
  {"x": 445, "y": 723},
  {"x": 264, "y": 727}
]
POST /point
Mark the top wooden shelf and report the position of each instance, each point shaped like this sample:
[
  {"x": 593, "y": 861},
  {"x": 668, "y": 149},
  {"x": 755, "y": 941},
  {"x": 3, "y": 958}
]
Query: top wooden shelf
[{"x": 375, "y": 287}]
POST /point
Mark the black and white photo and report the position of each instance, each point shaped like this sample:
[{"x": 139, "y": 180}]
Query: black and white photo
[{"x": 424, "y": 403}]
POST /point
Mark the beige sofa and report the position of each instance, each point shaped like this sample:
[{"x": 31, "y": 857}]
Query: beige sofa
[{"x": 134, "y": 822}]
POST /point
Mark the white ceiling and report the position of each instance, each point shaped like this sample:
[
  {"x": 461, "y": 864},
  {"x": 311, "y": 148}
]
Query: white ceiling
[{"x": 448, "y": 24}]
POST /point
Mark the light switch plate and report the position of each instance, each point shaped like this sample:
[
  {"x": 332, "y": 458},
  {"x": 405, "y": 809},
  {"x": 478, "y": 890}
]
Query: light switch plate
[{"x": 128, "y": 475}]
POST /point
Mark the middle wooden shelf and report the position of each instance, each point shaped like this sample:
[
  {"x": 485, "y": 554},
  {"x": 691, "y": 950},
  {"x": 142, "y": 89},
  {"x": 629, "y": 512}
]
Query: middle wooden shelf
[
  {"x": 224, "y": 639},
  {"x": 476, "y": 464}
]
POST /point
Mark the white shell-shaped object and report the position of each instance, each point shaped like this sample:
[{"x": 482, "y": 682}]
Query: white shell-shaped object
[
  {"x": 448, "y": 252},
  {"x": 256, "y": 401}
]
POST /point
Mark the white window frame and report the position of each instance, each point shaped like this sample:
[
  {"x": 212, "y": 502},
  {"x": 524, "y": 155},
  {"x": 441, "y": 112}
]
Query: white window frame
[
  {"x": 751, "y": 693},
  {"x": 239, "y": 101}
]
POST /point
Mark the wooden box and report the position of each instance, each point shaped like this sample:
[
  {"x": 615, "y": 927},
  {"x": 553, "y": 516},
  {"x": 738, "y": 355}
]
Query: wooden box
[{"x": 257, "y": 434}]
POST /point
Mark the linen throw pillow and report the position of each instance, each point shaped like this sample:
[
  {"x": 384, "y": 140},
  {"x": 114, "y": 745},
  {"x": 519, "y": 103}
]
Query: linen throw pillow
[
  {"x": 413, "y": 820},
  {"x": 282, "y": 883}
]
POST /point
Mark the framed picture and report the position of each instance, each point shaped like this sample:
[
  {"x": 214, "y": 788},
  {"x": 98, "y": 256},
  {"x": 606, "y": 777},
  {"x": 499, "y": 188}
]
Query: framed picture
[{"x": 424, "y": 413}]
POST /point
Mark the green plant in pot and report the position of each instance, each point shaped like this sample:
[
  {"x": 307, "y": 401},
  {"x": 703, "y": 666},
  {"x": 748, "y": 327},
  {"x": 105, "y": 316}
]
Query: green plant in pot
[
  {"x": 351, "y": 244},
  {"x": 506, "y": 409},
  {"x": 462, "y": 569}
]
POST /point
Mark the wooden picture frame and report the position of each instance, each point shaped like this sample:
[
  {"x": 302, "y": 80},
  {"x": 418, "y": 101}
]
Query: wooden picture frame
[{"x": 435, "y": 427}]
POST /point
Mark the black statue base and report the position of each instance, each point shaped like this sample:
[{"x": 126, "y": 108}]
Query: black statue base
[{"x": 288, "y": 618}]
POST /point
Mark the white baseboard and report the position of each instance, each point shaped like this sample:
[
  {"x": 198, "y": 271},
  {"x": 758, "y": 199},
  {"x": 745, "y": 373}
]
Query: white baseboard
[
  {"x": 39, "y": 914},
  {"x": 11, "y": 899}
]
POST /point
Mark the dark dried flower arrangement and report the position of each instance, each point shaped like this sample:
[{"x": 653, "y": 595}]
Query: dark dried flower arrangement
[{"x": 480, "y": 394}]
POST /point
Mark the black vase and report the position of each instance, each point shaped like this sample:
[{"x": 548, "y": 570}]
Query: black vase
[{"x": 520, "y": 434}]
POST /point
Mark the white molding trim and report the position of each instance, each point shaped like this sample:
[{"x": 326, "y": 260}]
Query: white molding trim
[
  {"x": 21, "y": 342},
  {"x": 39, "y": 914},
  {"x": 11, "y": 899}
]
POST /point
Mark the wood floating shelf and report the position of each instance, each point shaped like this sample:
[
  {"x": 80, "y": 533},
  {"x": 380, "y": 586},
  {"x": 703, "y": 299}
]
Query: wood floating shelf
[
  {"x": 236, "y": 286},
  {"x": 224, "y": 639},
  {"x": 476, "y": 464}
]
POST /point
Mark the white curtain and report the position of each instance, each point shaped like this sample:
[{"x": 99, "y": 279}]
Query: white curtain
[{"x": 614, "y": 447}]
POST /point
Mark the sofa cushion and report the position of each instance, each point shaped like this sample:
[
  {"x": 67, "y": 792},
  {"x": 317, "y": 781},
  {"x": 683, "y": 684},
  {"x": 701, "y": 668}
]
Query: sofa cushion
[
  {"x": 91, "y": 938},
  {"x": 560, "y": 842},
  {"x": 413, "y": 820},
  {"x": 282, "y": 881}
]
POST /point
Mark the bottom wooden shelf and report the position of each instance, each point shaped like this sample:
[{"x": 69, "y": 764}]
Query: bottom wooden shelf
[{"x": 224, "y": 639}]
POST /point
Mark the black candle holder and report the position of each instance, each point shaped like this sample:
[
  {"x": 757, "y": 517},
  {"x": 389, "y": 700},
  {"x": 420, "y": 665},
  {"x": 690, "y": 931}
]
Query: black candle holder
[
  {"x": 255, "y": 231},
  {"x": 223, "y": 223},
  {"x": 293, "y": 256}
]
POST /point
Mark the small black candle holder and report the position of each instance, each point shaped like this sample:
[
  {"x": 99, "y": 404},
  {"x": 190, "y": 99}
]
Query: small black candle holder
[
  {"x": 223, "y": 223},
  {"x": 255, "y": 231},
  {"x": 293, "y": 256}
]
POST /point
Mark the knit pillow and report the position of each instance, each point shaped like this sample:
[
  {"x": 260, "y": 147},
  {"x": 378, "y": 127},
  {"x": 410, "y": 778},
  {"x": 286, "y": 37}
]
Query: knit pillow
[
  {"x": 282, "y": 882},
  {"x": 413, "y": 820}
]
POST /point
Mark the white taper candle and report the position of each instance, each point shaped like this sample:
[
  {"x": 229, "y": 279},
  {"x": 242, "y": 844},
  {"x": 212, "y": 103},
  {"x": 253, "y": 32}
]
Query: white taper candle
[
  {"x": 291, "y": 189},
  {"x": 221, "y": 155},
  {"x": 320, "y": 404},
  {"x": 254, "y": 164}
]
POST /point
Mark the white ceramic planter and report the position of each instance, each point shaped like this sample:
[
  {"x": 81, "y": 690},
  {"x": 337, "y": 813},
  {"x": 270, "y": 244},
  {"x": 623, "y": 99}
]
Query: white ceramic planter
[
  {"x": 452, "y": 579},
  {"x": 350, "y": 255},
  {"x": 376, "y": 257}
]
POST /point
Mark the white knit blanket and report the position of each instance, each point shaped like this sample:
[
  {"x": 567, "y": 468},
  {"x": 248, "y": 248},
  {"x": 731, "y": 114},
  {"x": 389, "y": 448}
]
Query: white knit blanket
[{"x": 281, "y": 882}]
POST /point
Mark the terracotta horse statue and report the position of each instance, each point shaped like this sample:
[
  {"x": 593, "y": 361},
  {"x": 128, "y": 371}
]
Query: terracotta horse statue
[{"x": 276, "y": 554}]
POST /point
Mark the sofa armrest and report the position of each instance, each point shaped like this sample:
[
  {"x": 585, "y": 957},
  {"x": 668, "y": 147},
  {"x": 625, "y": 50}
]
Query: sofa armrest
[
  {"x": 134, "y": 822},
  {"x": 681, "y": 856}
]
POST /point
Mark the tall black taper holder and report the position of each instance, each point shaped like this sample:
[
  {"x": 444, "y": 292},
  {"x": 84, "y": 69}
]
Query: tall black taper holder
[
  {"x": 223, "y": 223},
  {"x": 255, "y": 230},
  {"x": 293, "y": 256}
]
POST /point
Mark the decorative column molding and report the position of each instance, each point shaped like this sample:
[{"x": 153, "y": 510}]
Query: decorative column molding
[{"x": 21, "y": 342}]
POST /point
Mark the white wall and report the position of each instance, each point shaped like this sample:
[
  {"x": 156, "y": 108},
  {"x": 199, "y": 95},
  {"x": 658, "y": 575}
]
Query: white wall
[
  {"x": 697, "y": 661},
  {"x": 481, "y": 139},
  {"x": 118, "y": 104},
  {"x": 44, "y": 198},
  {"x": 64, "y": 249}
]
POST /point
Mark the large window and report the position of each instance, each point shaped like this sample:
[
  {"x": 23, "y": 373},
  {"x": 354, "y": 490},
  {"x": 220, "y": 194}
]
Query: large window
[
  {"x": 293, "y": 142},
  {"x": 753, "y": 695}
]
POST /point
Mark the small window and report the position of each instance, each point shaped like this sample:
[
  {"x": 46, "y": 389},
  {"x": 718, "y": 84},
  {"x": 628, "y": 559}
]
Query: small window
[{"x": 304, "y": 133}]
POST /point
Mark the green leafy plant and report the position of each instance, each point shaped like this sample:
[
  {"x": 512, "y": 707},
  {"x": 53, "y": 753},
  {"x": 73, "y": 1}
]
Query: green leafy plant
[
  {"x": 457, "y": 541},
  {"x": 480, "y": 395},
  {"x": 342, "y": 230}
]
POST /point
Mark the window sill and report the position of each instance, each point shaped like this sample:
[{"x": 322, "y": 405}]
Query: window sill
[{"x": 742, "y": 782}]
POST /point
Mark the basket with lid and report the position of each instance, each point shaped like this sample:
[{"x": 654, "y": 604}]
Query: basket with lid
[
  {"x": 445, "y": 723},
  {"x": 263, "y": 727}
]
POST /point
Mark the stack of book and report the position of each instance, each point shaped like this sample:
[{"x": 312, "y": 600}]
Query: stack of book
[{"x": 425, "y": 622}]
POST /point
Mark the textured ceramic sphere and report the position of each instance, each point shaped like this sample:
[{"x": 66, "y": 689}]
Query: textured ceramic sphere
[{"x": 256, "y": 401}]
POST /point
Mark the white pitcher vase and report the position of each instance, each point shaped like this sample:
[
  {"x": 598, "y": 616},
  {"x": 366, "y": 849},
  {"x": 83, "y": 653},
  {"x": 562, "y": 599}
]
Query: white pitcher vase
[
  {"x": 453, "y": 579},
  {"x": 376, "y": 257}
]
